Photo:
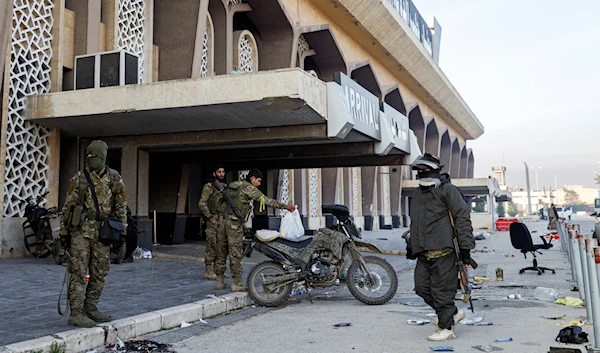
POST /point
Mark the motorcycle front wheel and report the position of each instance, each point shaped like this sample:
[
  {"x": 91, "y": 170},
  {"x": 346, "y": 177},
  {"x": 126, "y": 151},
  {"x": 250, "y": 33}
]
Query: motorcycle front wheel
[
  {"x": 384, "y": 284},
  {"x": 263, "y": 295}
]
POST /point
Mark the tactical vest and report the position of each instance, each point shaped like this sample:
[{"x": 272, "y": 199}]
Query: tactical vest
[
  {"x": 234, "y": 190},
  {"x": 214, "y": 201}
]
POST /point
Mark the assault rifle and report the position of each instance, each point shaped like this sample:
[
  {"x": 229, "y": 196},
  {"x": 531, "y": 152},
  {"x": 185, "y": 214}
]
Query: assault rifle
[
  {"x": 462, "y": 269},
  {"x": 229, "y": 200}
]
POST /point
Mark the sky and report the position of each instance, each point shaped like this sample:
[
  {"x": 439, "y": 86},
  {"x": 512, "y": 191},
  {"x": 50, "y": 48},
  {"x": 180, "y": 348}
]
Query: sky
[{"x": 529, "y": 70}]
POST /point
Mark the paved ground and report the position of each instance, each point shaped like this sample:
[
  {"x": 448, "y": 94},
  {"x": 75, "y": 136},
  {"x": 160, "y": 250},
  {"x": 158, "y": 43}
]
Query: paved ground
[
  {"x": 30, "y": 290},
  {"x": 302, "y": 325}
]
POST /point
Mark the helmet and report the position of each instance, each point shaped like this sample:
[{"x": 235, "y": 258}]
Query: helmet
[{"x": 427, "y": 161}]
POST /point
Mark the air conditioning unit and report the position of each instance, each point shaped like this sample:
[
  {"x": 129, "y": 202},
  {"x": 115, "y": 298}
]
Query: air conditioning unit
[{"x": 111, "y": 68}]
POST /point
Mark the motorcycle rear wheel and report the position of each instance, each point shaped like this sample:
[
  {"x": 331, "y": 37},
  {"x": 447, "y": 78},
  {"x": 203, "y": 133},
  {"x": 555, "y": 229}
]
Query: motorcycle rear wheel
[
  {"x": 256, "y": 289},
  {"x": 385, "y": 286}
]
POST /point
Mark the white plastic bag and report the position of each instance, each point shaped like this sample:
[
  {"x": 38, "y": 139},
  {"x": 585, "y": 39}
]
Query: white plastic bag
[
  {"x": 267, "y": 234},
  {"x": 291, "y": 226}
]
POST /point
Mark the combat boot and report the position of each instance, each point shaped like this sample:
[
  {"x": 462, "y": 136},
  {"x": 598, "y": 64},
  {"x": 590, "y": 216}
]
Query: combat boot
[
  {"x": 220, "y": 282},
  {"x": 78, "y": 318},
  {"x": 92, "y": 312},
  {"x": 209, "y": 273},
  {"x": 237, "y": 286}
]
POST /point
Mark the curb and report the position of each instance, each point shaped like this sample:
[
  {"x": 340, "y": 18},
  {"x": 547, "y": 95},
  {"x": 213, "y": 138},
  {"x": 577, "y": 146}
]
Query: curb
[
  {"x": 159, "y": 255},
  {"x": 85, "y": 339}
]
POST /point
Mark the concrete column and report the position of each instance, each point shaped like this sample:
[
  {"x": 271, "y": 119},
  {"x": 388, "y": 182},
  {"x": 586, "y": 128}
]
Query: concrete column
[
  {"x": 314, "y": 197},
  {"x": 129, "y": 173},
  {"x": 148, "y": 64},
  {"x": 53, "y": 176},
  {"x": 231, "y": 11},
  {"x": 339, "y": 186},
  {"x": 355, "y": 193},
  {"x": 385, "y": 212},
  {"x": 299, "y": 190},
  {"x": 87, "y": 25},
  {"x": 199, "y": 43},
  {"x": 109, "y": 20},
  {"x": 395, "y": 195},
  {"x": 6, "y": 8},
  {"x": 369, "y": 206},
  {"x": 56, "y": 62},
  {"x": 329, "y": 185},
  {"x": 143, "y": 184}
]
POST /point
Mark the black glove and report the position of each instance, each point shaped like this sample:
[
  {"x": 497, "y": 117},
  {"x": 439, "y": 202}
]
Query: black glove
[{"x": 465, "y": 256}]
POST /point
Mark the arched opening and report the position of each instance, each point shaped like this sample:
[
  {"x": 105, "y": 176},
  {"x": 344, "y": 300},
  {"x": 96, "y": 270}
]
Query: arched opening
[
  {"x": 416, "y": 124},
  {"x": 245, "y": 52},
  {"x": 393, "y": 97},
  {"x": 207, "y": 60},
  {"x": 445, "y": 151},
  {"x": 219, "y": 25},
  {"x": 327, "y": 58},
  {"x": 275, "y": 36},
  {"x": 464, "y": 162},
  {"x": 471, "y": 167},
  {"x": 365, "y": 76},
  {"x": 455, "y": 160},
  {"x": 432, "y": 139}
]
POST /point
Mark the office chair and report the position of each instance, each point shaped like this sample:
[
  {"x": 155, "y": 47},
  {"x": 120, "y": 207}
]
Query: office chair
[{"x": 521, "y": 240}]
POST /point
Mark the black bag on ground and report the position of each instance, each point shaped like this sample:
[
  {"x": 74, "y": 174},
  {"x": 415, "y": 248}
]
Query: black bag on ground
[
  {"x": 572, "y": 334},
  {"x": 110, "y": 228}
]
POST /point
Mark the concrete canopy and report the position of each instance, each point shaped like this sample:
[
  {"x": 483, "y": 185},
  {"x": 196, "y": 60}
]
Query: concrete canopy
[
  {"x": 363, "y": 73},
  {"x": 432, "y": 139},
  {"x": 445, "y": 151},
  {"x": 328, "y": 58},
  {"x": 392, "y": 96},
  {"x": 469, "y": 187},
  {"x": 417, "y": 124}
]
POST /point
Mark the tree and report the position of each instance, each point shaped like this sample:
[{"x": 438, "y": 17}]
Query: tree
[
  {"x": 571, "y": 197},
  {"x": 512, "y": 209},
  {"x": 597, "y": 179},
  {"x": 500, "y": 210}
]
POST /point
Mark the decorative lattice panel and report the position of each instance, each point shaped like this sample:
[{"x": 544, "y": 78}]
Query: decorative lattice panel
[
  {"x": 355, "y": 192},
  {"x": 246, "y": 51},
  {"x": 26, "y": 144},
  {"x": 313, "y": 192},
  {"x": 284, "y": 196},
  {"x": 244, "y": 174},
  {"x": 385, "y": 190},
  {"x": 131, "y": 17},
  {"x": 204, "y": 62},
  {"x": 302, "y": 44}
]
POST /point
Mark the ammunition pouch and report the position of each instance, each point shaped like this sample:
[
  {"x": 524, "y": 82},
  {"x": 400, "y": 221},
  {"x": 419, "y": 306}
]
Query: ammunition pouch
[{"x": 74, "y": 217}]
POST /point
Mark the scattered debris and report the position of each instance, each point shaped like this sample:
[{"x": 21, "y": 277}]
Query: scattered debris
[
  {"x": 487, "y": 348},
  {"x": 509, "y": 255},
  {"x": 508, "y": 339},
  {"x": 417, "y": 322},
  {"x": 514, "y": 296},
  {"x": 554, "y": 317},
  {"x": 211, "y": 296},
  {"x": 203, "y": 321},
  {"x": 564, "y": 350},
  {"x": 342, "y": 324},
  {"x": 92, "y": 351},
  {"x": 185, "y": 324},
  {"x": 471, "y": 321},
  {"x": 441, "y": 348},
  {"x": 142, "y": 346},
  {"x": 382, "y": 238},
  {"x": 480, "y": 237},
  {"x": 486, "y": 323},
  {"x": 499, "y": 274},
  {"x": 546, "y": 294},
  {"x": 569, "y": 301}
]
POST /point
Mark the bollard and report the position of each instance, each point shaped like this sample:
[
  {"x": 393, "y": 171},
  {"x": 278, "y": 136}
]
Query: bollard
[
  {"x": 583, "y": 240},
  {"x": 577, "y": 264},
  {"x": 584, "y": 271},
  {"x": 594, "y": 300}
]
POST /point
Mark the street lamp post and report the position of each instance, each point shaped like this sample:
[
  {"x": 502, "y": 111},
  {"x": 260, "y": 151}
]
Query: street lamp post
[
  {"x": 555, "y": 183},
  {"x": 537, "y": 184}
]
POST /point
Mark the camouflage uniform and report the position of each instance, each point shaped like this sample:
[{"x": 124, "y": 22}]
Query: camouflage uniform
[
  {"x": 212, "y": 224},
  {"x": 87, "y": 254},
  {"x": 230, "y": 237}
]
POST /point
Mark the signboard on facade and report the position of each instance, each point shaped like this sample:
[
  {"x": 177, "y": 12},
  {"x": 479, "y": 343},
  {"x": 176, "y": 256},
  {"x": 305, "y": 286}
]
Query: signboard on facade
[
  {"x": 408, "y": 11},
  {"x": 398, "y": 125},
  {"x": 361, "y": 105}
]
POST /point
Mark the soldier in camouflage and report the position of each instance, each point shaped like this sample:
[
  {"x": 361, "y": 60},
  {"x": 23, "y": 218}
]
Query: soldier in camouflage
[
  {"x": 78, "y": 222},
  {"x": 230, "y": 237},
  {"x": 208, "y": 205}
]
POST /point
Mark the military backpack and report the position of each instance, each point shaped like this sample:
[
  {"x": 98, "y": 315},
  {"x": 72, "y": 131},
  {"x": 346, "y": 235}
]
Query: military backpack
[{"x": 234, "y": 190}]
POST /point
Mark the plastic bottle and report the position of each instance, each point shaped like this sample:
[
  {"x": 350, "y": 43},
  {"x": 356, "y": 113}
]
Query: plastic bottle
[
  {"x": 503, "y": 339},
  {"x": 514, "y": 296},
  {"x": 546, "y": 294},
  {"x": 417, "y": 321}
]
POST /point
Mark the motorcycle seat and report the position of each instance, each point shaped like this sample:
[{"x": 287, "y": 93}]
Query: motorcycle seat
[{"x": 296, "y": 244}]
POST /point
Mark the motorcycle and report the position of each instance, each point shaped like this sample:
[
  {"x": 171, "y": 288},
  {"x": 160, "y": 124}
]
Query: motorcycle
[
  {"x": 317, "y": 262},
  {"x": 41, "y": 230}
]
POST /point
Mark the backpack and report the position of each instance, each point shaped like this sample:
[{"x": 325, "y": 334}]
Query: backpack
[
  {"x": 572, "y": 334},
  {"x": 233, "y": 190}
]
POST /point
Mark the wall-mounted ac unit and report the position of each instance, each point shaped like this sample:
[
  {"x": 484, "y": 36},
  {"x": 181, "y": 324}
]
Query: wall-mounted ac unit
[{"x": 112, "y": 68}]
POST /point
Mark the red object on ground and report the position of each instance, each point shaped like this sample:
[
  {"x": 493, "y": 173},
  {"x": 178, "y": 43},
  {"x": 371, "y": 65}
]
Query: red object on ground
[{"x": 503, "y": 224}]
